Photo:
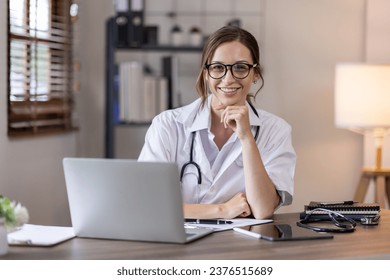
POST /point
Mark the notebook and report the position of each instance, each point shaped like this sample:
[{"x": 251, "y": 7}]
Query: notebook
[
  {"x": 127, "y": 200},
  {"x": 346, "y": 207},
  {"x": 366, "y": 213}
]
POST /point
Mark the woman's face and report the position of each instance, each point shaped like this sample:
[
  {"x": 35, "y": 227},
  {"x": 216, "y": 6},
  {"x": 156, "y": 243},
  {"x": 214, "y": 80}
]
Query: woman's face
[{"x": 229, "y": 90}]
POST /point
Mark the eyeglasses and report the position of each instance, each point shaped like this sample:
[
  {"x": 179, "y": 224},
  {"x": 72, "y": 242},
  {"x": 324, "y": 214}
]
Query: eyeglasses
[
  {"x": 239, "y": 70},
  {"x": 340, "y": 223}
]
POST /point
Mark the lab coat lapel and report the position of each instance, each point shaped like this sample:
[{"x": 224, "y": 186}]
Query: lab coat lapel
[
  {"x": 188, "y": 117},
  {"x": 198, "y": 154},
  {"x": 201, "y": 158},
  {"x": 195, "y": 120}
]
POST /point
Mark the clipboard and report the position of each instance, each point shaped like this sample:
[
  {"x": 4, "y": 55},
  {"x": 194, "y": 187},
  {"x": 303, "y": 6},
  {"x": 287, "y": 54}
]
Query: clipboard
[
  {"x": 233, "y": 223},
  {"x": 39, "y": 235}
]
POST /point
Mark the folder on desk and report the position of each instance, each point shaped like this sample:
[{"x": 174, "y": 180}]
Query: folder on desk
[{"x": 38, "y": 235}]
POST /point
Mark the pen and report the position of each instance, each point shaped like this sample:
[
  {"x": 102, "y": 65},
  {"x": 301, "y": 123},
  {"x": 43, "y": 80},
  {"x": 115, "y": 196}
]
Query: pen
[
  {"x": 208, "y": 221},
  {"x": 247, "y": 232},
  {"x": 19, "y": 242},
  {"x": 347, "y": 202}
]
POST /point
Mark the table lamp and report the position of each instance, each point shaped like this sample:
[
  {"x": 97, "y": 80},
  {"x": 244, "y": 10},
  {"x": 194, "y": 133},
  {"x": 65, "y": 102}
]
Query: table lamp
[
  {"x": 362, "y": 104},
  {"x": 362, "y": 101}
]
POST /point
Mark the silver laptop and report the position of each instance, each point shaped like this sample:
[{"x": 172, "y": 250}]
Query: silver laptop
[{"x": 127, "y": 200}]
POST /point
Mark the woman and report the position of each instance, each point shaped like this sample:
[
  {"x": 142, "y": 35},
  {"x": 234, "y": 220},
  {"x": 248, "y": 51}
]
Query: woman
[{"x": 235, "y": 160}]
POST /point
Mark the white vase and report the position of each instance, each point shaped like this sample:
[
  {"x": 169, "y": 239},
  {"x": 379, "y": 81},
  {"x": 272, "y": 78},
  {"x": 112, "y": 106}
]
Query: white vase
[
  {"x": 196, "y": 39},
  {"x": 3, "y": 238},
  {"x": 177, "y": 38}
]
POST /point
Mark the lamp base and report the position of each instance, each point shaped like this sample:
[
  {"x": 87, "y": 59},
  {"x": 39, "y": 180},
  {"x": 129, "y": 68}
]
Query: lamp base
[{"x": 381, "y": 178}]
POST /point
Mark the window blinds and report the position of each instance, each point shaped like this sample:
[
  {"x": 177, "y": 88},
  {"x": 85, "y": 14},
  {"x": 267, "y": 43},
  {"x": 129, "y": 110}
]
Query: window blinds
[{"x": 39, "y": 67}]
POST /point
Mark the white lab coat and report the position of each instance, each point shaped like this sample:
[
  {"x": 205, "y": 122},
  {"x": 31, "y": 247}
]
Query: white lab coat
[{"x": 169, "y": 139}]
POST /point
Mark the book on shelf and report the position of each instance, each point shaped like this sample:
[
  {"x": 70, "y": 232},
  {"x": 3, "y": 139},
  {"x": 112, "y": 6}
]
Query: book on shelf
[
  {"x": 170, "y": 70},
  {"x": 141, "y": 96},
  {"x": 131, "y": 77},
  {"x": 163, "y": 94},
  {"x": 149, "y": 98},
  {"x": 116, "y": 94}
]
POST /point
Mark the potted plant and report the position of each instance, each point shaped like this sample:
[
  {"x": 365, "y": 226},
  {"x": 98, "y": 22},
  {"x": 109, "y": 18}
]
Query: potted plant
[{"x": 12, "y": 216}]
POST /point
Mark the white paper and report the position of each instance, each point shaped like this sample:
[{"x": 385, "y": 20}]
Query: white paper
[
  {"x": 238, "y": 222},
  {"x": 37, "y": 235}
]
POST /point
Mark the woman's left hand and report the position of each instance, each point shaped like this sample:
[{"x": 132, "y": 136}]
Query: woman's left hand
[{"x": 237, "y": 118}]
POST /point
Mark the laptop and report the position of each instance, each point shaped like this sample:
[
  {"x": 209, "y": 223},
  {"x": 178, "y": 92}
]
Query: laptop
[{"x": 127, "y": 200}]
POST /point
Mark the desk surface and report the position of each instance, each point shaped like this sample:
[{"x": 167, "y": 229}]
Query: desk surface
[{"x": 367, "y": 242}]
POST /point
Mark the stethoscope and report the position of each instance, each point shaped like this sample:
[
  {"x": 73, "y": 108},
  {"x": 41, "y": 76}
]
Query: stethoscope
[{"x": 192, "y": 162}]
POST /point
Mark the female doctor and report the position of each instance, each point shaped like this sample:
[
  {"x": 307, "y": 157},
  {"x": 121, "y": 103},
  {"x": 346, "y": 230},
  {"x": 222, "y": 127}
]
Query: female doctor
[{"x": 235, "y": 160}]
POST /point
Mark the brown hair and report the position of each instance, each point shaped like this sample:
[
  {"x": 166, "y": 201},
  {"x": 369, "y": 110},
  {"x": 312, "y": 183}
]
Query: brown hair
[{"x": 224, "y": 35}]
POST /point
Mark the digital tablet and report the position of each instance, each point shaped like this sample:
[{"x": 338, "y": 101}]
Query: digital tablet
[{"x": 281, "y": 232}]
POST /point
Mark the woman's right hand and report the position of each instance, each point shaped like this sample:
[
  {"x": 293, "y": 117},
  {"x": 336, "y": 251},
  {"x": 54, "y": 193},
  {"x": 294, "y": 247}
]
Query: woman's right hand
[{"x": 237, "y": 206}]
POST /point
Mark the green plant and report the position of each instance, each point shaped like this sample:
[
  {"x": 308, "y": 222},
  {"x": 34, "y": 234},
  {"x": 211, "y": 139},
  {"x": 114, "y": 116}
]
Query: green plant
[{"x": 14, "y": 213}]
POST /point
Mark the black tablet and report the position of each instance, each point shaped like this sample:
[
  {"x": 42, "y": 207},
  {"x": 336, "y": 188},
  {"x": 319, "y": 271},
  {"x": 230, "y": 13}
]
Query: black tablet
[{"x": 281, "y": 232}]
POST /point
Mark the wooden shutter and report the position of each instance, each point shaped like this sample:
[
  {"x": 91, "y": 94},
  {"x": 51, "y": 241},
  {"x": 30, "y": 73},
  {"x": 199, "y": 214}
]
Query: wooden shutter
[{"x": 39, "y": 67}]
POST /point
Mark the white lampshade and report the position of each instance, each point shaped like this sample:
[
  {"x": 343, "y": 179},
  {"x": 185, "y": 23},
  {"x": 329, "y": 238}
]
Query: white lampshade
[{"x": 362, "y": 96}]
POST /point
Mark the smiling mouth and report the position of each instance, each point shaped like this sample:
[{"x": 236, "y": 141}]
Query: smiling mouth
[{"x": 229, "y": 90}]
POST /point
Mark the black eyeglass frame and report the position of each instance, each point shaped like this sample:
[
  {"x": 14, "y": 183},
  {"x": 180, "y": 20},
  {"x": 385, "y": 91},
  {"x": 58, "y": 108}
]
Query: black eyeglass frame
[
  {"x": 343, "y": 223},
  {"x": 207, "y": 66}
]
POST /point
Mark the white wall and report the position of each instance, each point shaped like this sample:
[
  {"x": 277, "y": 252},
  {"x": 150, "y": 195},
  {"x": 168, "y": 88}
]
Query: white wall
[
  {"x": 304, "y": 40},
  {"x": 91, "y": 99},
  {"x": 30, "y": 168},
  {"x": 301, "y": 42},
  {"x": 378, "y": 30}
]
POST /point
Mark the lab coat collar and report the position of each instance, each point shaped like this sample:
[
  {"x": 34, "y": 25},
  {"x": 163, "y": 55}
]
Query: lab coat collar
[
  {"x": 193, "y": 117},
  {"x": 254, "y": 120}
]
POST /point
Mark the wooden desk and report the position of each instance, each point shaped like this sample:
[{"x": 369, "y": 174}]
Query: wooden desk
[{"x": 367, "y": 242}]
